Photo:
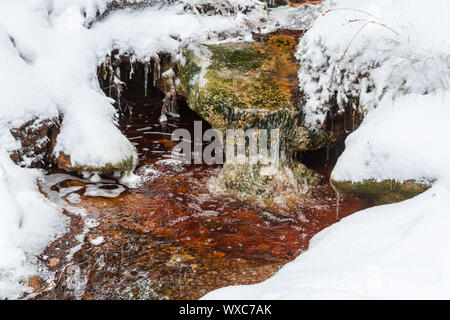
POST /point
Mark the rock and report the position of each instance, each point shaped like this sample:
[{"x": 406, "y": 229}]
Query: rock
[
  {"x": 257, "y": 180},
  {"x": 65, "y": 163},
  {"x": 381, "y": 192},
  {"x": 246, "y": 85},
  {"x": 37, "y": 138}
]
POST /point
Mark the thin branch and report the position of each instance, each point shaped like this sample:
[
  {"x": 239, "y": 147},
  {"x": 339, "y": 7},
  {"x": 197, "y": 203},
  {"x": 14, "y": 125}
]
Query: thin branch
[
  {"x": 379, "y": 23},
  {"x": 351, "y": 41}
]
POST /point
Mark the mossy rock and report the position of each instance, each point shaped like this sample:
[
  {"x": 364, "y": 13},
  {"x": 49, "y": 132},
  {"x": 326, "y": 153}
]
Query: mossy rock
[
  {"x": 248, "y": 85},
  {"x": 381, "y": 192},
  {"x": 258, "y": 180},
  {"x": 65, "y": 163}
]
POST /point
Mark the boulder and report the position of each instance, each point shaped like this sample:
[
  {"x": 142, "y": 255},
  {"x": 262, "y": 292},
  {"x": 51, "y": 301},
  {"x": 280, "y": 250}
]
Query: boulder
[{"x": 250, "y": 85}]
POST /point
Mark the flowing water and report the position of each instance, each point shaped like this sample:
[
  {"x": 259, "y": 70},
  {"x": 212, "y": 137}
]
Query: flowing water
[{"x": 170, "y": 238}]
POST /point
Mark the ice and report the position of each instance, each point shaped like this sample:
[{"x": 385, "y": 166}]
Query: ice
[
  {"x": 103, "y": 190},
  {"x": 95, "y": 178},
  {"x": 131, "y": 180},
  {"x": 396, "y": 251}
]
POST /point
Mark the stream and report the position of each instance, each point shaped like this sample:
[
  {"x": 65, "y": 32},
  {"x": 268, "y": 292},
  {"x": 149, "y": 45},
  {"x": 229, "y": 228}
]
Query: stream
[{"x": 170, "y": 238}]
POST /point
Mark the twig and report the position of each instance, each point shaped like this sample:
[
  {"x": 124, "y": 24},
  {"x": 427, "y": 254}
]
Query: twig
[{"x": 379, "y": 23}]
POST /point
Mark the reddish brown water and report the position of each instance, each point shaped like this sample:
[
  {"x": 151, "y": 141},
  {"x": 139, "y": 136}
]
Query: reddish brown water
[{"x": 170, "y": 238}]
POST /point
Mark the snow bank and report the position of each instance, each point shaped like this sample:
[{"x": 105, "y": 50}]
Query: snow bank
[
  {"x": 400, "y": 140},
  {"x": 393, "y": 251},
  {"x": 28, "y": 222}
]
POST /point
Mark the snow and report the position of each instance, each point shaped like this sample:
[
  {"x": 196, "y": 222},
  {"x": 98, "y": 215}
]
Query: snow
[
  {"x": 361, "y": 49},
  {"x": 396, "y": 251}
]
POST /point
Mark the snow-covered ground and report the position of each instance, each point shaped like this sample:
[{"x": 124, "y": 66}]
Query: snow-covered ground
[
  {"x": 402, "y": 48},
  {"x": 49, "y": 53}
]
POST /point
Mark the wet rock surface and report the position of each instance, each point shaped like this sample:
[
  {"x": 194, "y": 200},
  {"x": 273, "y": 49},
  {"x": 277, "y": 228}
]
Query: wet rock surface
[
  {"x": 64, "y": 162},
  {"x": 170, "y": 238},
  {"x": 37, "y": 139}
]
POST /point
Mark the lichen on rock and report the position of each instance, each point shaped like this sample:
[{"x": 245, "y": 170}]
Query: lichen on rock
[
  {"x": 265, "y": 182},
  {"x": 246, "y": 85}
]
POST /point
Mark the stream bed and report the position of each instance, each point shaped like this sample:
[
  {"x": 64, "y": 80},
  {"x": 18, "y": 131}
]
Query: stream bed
[{"x": 170, "y": 238}]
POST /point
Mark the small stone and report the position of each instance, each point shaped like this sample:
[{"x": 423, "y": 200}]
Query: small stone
[{"x": 54, "y": 262}]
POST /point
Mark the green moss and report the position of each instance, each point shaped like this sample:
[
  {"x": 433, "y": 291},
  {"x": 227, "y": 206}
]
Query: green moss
[
  {"x": 242, "y": 57},
  {"x": 248, "y": 86},
  {"x": 381, "y": 192},
  {"x": 189, "y": 70}
]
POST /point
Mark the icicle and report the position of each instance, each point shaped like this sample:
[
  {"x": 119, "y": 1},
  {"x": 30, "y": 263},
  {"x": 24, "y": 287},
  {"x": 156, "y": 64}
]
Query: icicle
[
  {"x": 145, "y": 78},
  {"x": 118, "y": 84},
  {"x": 170, "y": 100},
  {"x": 338, "y": 200},
  {"x": 163, "y": 118},
  {"x": 156, "y": 70},
  {"x": 117, "y": 174},
  {"x": 131, "y": 68}
]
